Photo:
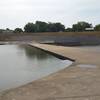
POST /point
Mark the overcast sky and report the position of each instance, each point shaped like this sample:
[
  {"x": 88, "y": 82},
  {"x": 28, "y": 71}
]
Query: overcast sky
[{"x": 16, "y": 13}]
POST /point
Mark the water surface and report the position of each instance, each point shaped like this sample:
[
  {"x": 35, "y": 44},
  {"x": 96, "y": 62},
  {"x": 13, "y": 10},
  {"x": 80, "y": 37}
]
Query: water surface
[{"x": 21, "y": 64}]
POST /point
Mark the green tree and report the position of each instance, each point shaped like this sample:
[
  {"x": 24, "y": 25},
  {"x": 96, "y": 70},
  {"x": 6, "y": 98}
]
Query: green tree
[
  {"x": 59, "y": 27},
  {"x": 56, "y": 27},
  {"x": 1, "y": 30},
  {"x": 18, "y": 30},
  {"x": 81, "y": 26},
  {"x": 68, "y": 30},
  {"x": 7, "y": 29},
  {"x": 97, "y": 27},
  {"x": 30, "y": 27},
  {"x": 41, "y": 26},
  {"x": 51, "y": 27}
]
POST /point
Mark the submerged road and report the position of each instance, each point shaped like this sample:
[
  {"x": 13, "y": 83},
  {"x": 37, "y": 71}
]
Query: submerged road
[{"x": 80, "y": 81}]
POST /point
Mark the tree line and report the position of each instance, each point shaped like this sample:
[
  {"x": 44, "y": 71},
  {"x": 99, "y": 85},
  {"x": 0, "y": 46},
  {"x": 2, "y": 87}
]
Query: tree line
[
  {"x": 83, "y": 26},
  {"x": 40, "y": 26}
]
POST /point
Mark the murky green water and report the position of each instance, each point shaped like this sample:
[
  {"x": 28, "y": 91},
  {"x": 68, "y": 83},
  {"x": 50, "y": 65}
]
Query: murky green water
[{"x": 20, "y": 64}]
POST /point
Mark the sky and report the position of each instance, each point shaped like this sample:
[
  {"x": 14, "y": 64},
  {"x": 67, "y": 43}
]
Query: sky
[{"x": 17, "y": 13}]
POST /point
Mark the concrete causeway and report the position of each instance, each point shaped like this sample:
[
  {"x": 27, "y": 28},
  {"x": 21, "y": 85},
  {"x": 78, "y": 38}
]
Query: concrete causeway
[{"x": 80, "y": 81}]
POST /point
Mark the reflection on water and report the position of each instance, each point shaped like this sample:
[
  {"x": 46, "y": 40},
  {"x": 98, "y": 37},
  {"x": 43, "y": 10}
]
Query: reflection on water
[
  {"x": 21, "y": 64},
  {"x": 34, "y": 53}
]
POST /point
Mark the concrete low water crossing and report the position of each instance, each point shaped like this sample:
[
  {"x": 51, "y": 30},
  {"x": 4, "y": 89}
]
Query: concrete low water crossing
[
  {"x": 21, "y": 64},
  {"x": 72, "y": 83}
]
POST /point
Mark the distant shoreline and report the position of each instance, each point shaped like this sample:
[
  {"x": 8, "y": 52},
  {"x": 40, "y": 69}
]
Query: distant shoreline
[{"x": 55, "y": 38}]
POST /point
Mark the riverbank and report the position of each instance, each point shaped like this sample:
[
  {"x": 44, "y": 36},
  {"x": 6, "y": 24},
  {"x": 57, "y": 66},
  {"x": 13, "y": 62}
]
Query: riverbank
[
  {"x": 58, "y": 38},
  {"x": 80, "y": 81}
]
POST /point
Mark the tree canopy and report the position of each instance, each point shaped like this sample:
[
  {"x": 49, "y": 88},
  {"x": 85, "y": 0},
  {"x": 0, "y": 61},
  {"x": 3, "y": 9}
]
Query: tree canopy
[
  {"x": 81, "y": 26},
  {"x": 56, "y": 27},
  {"x": 18, "y": 30},
  {"x": 30, "y": 27},
  {"x": 97, "y": 27},
  {"x": 40, "y": 26}
]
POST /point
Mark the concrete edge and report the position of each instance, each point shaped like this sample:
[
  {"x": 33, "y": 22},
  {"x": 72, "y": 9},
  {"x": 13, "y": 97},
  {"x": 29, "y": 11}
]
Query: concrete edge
[{"x": 53, "y": 53}]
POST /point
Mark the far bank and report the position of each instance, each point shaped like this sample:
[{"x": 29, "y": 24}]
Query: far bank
[{"x": 58, "y": 38}]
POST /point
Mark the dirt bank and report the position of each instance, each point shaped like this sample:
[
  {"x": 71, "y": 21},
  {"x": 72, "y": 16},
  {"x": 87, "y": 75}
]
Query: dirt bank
[{"x": 60, "y": 38}]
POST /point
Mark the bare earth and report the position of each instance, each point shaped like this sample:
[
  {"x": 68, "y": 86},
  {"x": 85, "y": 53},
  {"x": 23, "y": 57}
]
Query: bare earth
[{"x": 80, "y": 81}]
